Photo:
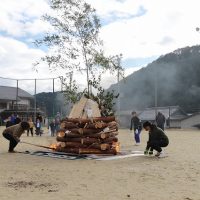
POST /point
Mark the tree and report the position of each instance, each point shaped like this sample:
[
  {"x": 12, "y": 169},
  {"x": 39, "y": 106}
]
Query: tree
[{"x": 75, "y": 43}]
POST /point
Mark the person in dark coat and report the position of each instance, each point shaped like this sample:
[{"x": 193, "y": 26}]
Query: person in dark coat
[
  {"x": 17, "y": 119},
  {"x": 8, "y": 122},
  {"x": 136, "y": 125},
  {"x": 157, "y": 139},
  {"x": 52, "y": 126},
  {"x": 38, "y": 126},
  {"x": 160, "y": 120}
]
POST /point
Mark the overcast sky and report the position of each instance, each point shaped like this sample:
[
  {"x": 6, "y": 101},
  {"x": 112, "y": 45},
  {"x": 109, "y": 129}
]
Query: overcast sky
[{"x": 141, "y": 30}]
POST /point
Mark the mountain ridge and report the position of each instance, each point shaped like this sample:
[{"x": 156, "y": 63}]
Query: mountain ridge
[{"x": 173, "y": 76}]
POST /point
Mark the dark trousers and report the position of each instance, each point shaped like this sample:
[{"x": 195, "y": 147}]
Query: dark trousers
[
  {"x": 137, "y": 136},
  {"x": 31, "y": 130},
  {"x": 53, "y": 130},
  {"x": 162, "y": 126},
  {"x": 38, "y": 131},
  {"x": 13, "y": 142},
  {"x": 156, "y": 145}
]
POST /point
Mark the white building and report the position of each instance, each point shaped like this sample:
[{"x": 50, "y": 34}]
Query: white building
[{"x": 12, "y": 98}]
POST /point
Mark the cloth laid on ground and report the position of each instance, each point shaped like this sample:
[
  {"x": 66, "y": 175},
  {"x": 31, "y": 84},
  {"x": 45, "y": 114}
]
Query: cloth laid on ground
[{"x": 69, "y": 156}]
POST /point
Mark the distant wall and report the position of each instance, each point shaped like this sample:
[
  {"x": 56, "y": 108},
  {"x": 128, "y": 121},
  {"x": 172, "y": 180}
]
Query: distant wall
[
  {"x": 191, "y": 121},
  {"x": 124, "y": 121}
]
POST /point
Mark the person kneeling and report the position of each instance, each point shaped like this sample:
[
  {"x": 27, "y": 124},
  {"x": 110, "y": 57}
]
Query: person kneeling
[
  {"x": 13, "y": 134},
  {"x": 157, "y": 139}
]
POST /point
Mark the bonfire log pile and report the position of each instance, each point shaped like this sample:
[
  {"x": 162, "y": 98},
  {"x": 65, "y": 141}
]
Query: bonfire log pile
[{"x": 88, "y": 136}]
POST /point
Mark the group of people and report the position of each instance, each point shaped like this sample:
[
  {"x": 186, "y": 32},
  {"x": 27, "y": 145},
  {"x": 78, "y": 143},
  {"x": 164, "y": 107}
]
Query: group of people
[
  {"x": 54, "y": 125},
  {"x": 15, "y": 128},
  {"x": 157, "y": 137},
  {"x": 12, "y": 120}
]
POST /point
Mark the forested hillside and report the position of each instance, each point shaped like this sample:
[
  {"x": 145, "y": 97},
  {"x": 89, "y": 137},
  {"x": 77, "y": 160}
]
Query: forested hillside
[{"x": 175, "y": 77}]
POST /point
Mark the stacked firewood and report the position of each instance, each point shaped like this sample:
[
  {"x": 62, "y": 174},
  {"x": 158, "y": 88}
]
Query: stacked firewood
[{"x": 88, "y": 136}]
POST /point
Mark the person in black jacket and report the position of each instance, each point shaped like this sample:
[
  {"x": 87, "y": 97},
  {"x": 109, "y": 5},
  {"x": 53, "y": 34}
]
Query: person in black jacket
[
  {"x": 160, "y": 120},
  {"x": 136, "y": 125},
  {"x": 8, "y": 122},
  {"x": 157, "y": 139}
]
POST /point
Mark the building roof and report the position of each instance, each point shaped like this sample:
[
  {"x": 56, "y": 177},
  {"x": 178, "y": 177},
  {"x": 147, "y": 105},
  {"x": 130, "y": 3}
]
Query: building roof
[
  {"x": 175, "y": 112},
  {"x": 9, "y": 93}
]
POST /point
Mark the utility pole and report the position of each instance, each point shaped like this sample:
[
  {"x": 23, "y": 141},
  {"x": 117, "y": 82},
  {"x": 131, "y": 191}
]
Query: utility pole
[
  {"x": 156, "y": 94},
  {"x": 53, "y": 99},
  {"x": 118, "y": 87},
  {"x": 35, "y": 107},
  {"x": 17, "y": 95}
]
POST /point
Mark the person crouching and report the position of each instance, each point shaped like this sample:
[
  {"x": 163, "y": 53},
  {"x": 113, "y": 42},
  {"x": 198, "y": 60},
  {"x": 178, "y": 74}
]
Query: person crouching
[
  {"x": 13, "y": 134},
  {"x": 157, "y": 139}
]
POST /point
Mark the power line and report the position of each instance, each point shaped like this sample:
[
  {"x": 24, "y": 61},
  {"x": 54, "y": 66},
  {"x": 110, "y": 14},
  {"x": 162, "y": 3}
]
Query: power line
[{"x": 30, "y": 78}]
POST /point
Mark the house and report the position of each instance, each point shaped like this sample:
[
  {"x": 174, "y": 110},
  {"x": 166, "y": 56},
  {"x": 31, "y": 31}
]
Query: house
[
  {"x": 13, "y": 100},
  {"x": 192, "y": 121},
  {"x": 173, "y": 114}
]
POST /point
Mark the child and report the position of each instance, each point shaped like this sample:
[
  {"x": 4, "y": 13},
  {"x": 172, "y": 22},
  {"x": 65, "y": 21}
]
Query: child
[
  {"x": 157, "y": 139},
  {"x": 137, "y": 125},
  {"x": 38, "y": 127},
  {"x": 31, "y": 124}
]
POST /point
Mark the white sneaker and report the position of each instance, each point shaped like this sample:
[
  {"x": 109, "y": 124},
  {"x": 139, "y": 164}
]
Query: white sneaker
[
  {"x": 162, "y": 155},
  {"x": 137, "y": 144}
]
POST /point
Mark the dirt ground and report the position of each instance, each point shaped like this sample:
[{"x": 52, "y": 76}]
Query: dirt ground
[{"x": 176, "y": 177}]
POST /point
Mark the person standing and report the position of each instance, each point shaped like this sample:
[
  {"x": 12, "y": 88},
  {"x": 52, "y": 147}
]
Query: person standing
[
  {"x": 52, "y": 126},
  {"x": 160, "y": 120},
  {"x": 136, "y": 125},
  {"x": 8, "y": 122},
  {"x": 17, "y": 119},
  {"x": 13, "y": 134},
  {"x": 57, "y": 121},
  {"x": 31, "y": 125},
  {"x": 12, "y": 119},
  {"x": 157, "y": 139},
  {"x": 38, "y": 127}
]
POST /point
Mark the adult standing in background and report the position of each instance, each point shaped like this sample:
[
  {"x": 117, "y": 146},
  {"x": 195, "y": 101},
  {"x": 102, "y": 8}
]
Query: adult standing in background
[
  {"x": 52, "y": 126},
  {"x": 136, "y": 125},
  {"x": 160, "y": 120},
  {"x": 17, "y": 119},
  {"x": 57, "y": 121},
  {"x": 12, "y": 119}
]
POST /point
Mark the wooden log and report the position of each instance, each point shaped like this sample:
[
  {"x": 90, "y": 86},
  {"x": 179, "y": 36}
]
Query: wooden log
[
  {"x": 72, "y": 145},
  {"x": 86, "y": 141},
  {"x": 68, "y": 125},
  {"x": 102, "y": 146},
  {"x": 61, "y": 133},
  {"x": 86, "y": 151},
  {"x": 106, "y": 133},
  {"x": 95, "y": 119},
  {"x": 100, "y": 124},
  {"x": 110, "y": 140},
  {"x": 96, "y": 125},
  {"x": 85, "y": 131}
]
